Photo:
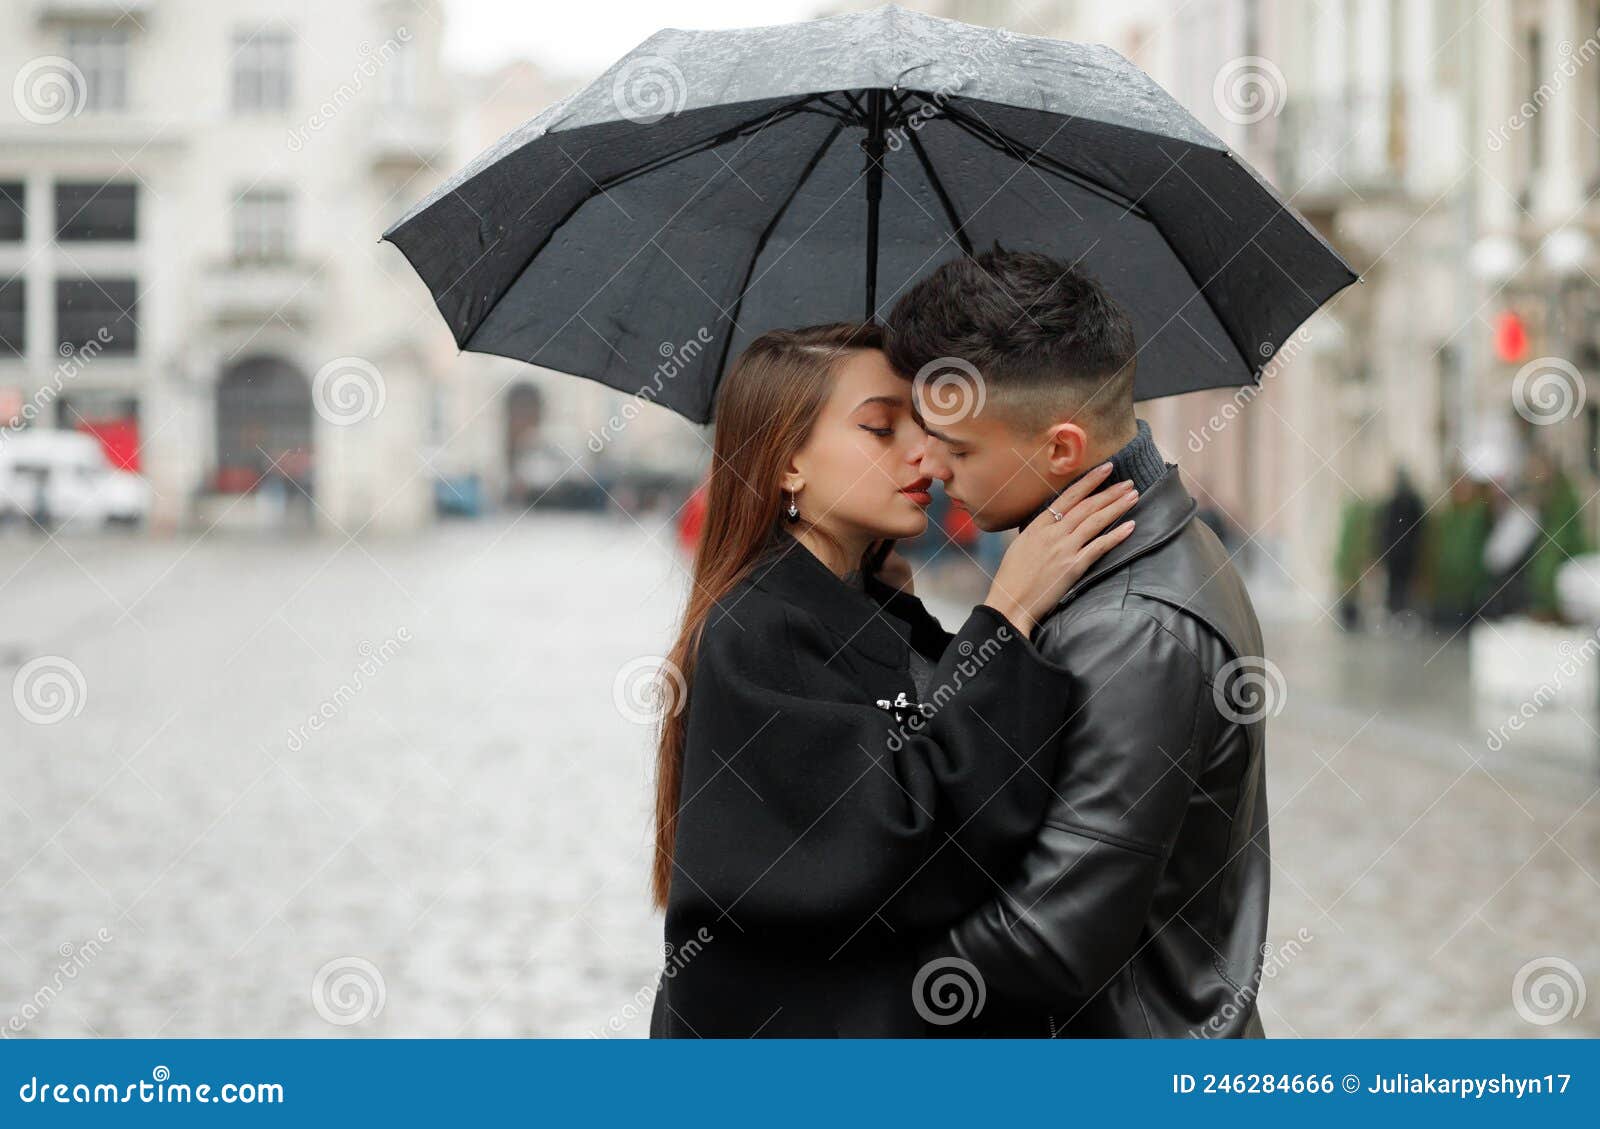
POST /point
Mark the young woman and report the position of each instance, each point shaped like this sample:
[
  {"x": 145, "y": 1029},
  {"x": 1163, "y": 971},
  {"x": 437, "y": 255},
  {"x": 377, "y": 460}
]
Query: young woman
[{"x": 841, "y": 774}]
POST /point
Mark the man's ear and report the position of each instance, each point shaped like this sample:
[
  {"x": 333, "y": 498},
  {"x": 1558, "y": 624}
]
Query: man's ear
[{"x": 1066, "y": 449}]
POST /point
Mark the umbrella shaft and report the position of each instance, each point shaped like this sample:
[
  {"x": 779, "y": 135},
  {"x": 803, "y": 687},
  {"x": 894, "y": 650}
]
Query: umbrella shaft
[{"x": 874, "y": 146}]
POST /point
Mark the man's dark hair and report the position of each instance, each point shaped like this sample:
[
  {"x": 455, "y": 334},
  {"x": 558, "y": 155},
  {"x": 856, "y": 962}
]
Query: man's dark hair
[{"x": 1048, "y": 340}]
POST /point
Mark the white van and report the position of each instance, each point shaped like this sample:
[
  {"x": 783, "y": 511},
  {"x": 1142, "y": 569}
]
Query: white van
[{"x": 65, "y": 477}]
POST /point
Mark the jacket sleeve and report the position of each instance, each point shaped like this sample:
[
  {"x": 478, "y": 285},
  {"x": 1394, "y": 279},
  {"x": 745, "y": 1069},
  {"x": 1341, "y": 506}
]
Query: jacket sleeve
[
  {"x": 809, "y": 808},
  {"x": 1070, "y": 918}
]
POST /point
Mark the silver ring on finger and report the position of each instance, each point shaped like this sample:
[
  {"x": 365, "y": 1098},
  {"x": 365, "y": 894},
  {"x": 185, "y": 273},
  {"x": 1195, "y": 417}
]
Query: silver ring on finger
[{"x": 1053, "y": 513}]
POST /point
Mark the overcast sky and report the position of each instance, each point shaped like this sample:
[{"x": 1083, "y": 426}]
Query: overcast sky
[{"x": 583, "y": 37}]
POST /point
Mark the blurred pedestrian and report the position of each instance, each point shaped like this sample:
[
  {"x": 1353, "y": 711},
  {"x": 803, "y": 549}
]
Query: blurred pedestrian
[{"x": 1399, "y": 541}]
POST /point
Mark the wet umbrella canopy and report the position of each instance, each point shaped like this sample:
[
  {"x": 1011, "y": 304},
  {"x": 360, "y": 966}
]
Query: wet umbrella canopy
[{"x": 712, "y": 185}]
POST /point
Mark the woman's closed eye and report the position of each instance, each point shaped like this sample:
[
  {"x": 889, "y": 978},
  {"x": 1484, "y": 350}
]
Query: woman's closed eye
[{"x": 881, "y": 432}]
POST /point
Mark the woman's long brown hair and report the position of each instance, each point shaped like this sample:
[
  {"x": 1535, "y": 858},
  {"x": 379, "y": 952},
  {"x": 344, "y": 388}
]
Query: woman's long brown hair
[{"x": 765, "y": 410}]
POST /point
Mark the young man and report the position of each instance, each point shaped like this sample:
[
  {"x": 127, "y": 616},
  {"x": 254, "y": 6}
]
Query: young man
[{"x": 1141, "y": 908}]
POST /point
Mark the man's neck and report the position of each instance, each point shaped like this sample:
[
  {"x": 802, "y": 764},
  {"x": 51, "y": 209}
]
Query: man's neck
[{"x": 1138, "y": 460}]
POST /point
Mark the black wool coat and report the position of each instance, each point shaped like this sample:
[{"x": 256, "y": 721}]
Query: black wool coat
[{"x": 827, "y": 817}]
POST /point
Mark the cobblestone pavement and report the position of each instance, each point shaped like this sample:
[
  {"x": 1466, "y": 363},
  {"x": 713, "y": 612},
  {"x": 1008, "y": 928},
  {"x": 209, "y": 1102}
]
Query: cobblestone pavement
[{"x": 230, "y": 762}]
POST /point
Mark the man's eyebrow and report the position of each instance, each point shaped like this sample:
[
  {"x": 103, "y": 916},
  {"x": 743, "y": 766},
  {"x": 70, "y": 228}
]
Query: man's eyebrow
[{"x": 937, "y": 434}]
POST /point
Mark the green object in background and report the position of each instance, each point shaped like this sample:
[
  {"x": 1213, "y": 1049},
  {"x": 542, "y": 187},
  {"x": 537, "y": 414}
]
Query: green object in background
[
  {"x": 1353, "y": 556},
  {"x": 1457, "y": 534},
  {"x": 1562, "y": 536}
]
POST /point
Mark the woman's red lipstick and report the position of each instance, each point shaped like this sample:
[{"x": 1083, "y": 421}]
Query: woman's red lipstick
[{"x": 918, "y": 491}]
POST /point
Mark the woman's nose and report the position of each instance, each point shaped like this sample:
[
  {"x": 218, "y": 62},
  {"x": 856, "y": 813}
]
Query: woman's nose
[{"x": 930, "y": 464}]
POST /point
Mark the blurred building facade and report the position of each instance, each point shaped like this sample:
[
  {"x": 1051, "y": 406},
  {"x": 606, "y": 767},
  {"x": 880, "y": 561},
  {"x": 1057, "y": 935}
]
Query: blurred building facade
[{"x": 193, "y": 195}]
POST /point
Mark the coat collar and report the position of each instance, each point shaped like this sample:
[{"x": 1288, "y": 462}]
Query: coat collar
[
  {"x": 1159, "y": 515},
  {"x": 794, "y": 574}
]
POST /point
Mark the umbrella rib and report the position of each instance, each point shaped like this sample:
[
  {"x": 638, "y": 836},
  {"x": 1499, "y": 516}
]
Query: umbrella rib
[
  {"x": 958, "y": 228},
  {"x": 766, "y": 234},
  {"x": 712, "y": 142},
  {"x": 996, "y": 140}
]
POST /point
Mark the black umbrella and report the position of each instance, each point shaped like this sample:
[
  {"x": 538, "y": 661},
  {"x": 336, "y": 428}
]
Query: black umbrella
[{"x": 715, "y": 184}]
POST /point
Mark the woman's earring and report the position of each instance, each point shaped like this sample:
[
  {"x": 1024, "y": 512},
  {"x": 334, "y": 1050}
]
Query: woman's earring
[{"x": 794, "y": 510}]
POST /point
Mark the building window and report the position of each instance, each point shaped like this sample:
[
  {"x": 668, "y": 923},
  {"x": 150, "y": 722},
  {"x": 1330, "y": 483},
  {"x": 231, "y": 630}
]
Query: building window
[
  {"x": 11, "y": 213},
  {"x": 86, "y": 306},
  {"x": 13, "y": 318},
  {"x": 261, "y": 226},
  {"x": 101, "y": 53},
  {"x": 87, "y": 211},
  {"x": 262, "y": 70}
]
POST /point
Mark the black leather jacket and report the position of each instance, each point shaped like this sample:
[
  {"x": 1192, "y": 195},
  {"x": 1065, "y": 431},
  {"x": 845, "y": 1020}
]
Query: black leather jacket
[{"x": 1141, "y": 908}]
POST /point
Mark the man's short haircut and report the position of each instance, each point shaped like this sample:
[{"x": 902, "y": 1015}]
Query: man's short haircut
[{"x": 1047, "y": 339}]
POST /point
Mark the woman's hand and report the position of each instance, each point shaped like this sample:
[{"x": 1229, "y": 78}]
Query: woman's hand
[
  {"x": 1049, "y": 556},
  {"x": 895, "y": 570}
]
